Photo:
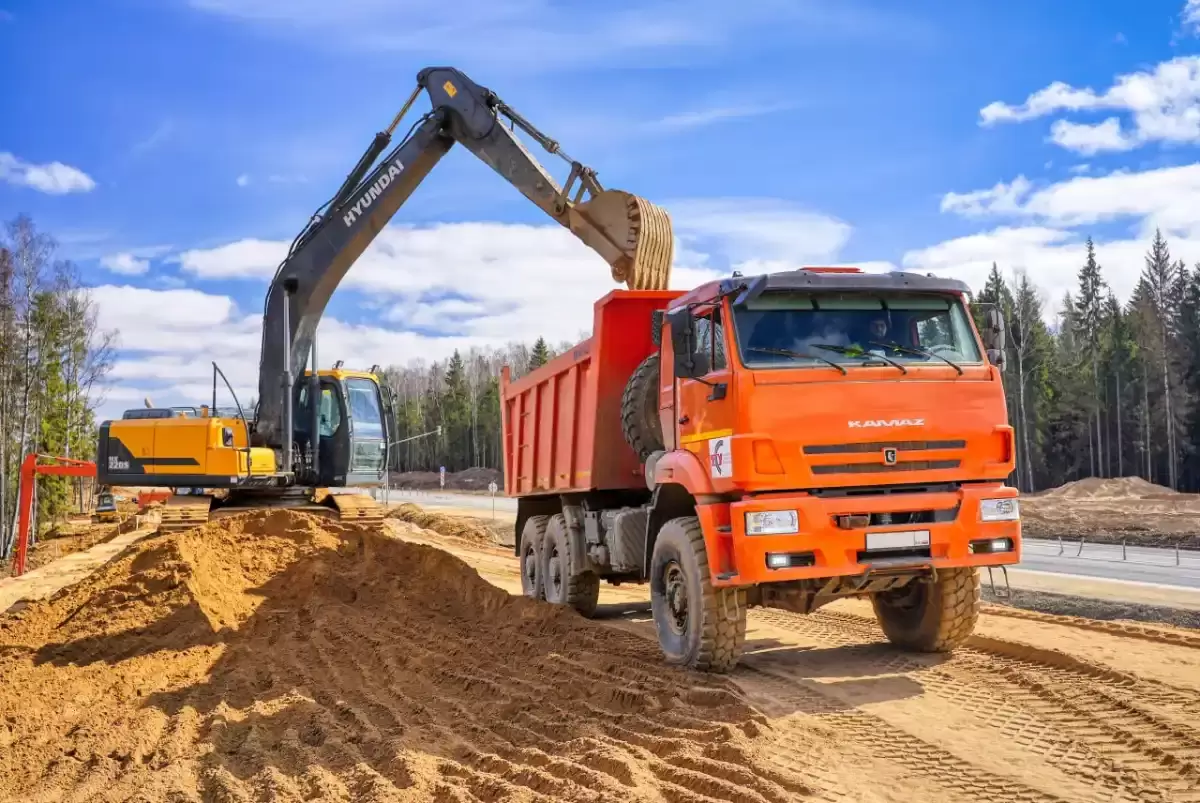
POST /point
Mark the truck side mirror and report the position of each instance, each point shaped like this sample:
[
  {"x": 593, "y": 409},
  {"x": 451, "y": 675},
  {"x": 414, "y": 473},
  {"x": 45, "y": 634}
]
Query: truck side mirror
[
  {"x": 688, "y": 363},
  {"x": 994, "y": 336}
]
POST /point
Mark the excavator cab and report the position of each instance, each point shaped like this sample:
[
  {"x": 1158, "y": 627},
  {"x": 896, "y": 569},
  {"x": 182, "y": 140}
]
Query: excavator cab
[{"x": 354, "y": 418}]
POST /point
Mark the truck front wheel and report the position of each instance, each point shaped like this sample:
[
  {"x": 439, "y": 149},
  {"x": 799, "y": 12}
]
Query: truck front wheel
[
  {"x": 533, "y": 538},
  {"x": 565, "y": 582},
  {"x": 931, "y": 615},
  {"x": 699, "y": 627}
]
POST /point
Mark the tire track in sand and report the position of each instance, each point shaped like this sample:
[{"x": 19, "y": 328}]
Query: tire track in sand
[
  {"x": 268, "y": 657},
  {"x": 1109, "y": 729}
]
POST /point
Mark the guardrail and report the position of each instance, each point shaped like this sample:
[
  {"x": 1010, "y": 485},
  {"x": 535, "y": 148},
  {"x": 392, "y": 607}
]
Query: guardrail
[{"x": 1175, "y": 555}]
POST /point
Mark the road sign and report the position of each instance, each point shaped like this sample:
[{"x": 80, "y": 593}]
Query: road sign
[
  {"x": 442, "y": 477},
  {"x": 493, "y": 487}
]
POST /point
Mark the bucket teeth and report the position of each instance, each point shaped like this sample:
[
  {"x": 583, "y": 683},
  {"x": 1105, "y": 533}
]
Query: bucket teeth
[{"x": 632, "y": 234}]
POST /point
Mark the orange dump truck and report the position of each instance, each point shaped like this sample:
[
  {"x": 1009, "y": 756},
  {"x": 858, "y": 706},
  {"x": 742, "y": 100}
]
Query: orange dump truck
[{"x": 780, "y": 440}]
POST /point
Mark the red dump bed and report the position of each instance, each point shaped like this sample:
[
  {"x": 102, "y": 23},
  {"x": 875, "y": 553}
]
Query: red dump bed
[{"x": 562, "y": 422}]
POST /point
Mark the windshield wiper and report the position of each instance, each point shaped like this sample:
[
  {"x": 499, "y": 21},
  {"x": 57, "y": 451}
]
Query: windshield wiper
[
  {"x": 804, "y": 355},
  {"x": 922, "y": 352},
  {"x": 857, "y": 353}
]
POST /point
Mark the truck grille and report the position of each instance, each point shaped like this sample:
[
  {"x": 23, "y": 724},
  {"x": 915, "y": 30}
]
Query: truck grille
[
  {"x": 879, "y": 446},
  {"x": 883, "y": 468}
]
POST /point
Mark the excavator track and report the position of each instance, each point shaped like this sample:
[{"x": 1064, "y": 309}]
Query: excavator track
[{"x": 184, "y": 512}]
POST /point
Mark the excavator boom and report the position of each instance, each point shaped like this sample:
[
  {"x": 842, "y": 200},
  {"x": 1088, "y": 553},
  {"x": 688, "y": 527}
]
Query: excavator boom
[{"x": 631, "y": 234}]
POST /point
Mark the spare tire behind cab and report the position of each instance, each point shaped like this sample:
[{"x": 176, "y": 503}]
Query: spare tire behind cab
[{"x": 639, "y": 409}]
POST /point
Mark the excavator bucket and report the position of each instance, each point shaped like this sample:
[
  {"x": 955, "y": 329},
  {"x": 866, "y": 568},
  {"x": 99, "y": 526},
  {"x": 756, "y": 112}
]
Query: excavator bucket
[
  {"x": 640, "y": 232},
  {"x": 184, "y": 512}
]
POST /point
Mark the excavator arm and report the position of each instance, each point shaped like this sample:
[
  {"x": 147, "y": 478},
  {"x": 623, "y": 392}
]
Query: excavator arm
[{"x": 631, "y": 234}]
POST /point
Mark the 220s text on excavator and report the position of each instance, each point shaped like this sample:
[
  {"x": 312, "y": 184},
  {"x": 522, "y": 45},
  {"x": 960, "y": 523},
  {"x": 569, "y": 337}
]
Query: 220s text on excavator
[{"x": 313, "y": 431}]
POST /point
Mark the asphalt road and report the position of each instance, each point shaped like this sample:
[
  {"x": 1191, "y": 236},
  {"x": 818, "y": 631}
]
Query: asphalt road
[{"x": 1141, "y": 564}]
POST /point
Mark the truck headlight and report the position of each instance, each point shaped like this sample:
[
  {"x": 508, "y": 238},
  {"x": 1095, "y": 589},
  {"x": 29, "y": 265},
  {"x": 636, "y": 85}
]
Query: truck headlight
[
  {"x": 772, "y": 522},
  {"x": 999, "y": 510}
]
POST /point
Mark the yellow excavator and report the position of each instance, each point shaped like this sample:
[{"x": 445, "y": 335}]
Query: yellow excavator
[{"x": 316, "y": 434}]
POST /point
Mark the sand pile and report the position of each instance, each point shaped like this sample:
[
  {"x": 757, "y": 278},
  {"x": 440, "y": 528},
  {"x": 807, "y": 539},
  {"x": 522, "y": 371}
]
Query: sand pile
[
  {"x": 272, "y": 657},
  {"x": 1111, "y": 488},
  {"x": 453, "y": 526}
]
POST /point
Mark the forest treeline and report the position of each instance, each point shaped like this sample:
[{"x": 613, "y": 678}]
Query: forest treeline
[
  {"x": 53, "y": 361},
  {"x": 1109, "y": 388},
  {"x": 1097, "y": 387}
]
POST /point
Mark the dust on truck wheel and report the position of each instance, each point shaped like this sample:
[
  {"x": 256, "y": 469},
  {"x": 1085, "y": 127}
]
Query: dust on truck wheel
[
  {"x": 639, "y": 409},
  {"x": 931, "y": 615},
  {"x": 563, "y": 578},
  {"x": 699, "y": 627},
  {"x": 533, "y": 538}
]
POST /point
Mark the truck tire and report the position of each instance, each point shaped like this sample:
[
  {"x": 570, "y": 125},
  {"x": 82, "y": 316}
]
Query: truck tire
[
  {"x": 930, "y": 616},
  {"x": 639, "y": 409},
  {"x": 533, "y": 538},
  {"x": 564, "y": 582},
  {"x": 699, "y": 627}
]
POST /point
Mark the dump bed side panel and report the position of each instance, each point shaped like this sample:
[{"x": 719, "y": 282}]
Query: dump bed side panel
[{"x": 562, "y": 422}]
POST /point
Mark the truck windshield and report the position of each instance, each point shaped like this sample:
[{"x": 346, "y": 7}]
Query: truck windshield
[{"x": 812, "y": 329}]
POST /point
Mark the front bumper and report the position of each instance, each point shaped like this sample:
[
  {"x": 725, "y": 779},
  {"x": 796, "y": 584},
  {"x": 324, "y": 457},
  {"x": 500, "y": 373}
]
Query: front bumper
[{"x": 823, "y": 548}]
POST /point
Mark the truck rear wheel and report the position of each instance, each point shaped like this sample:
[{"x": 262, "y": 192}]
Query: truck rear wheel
[
  {"x": 563, "y": 579},
  {"x": 931, "y": 616},
  {"x": 698, "y": 626},
  {"x": 533, "y": 538},
  {"x": 639, "y": 409}
]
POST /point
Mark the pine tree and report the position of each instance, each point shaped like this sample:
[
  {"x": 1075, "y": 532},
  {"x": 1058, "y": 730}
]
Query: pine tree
[
  {"x": 540, "y": 354},
  {"x": 1088, "y": 326}
]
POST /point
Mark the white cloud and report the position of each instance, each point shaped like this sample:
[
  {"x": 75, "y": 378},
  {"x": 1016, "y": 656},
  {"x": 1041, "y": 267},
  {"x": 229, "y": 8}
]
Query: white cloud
[
  {"x": 700, "y": 118},
  {"x": 1191, "y": 16},
  {"x": 52, "y": 178},
  {"x": 432, "y": 289},
  {"x": 1090, "y": 139},
  {"x": 1000, "y": 198},
  {"x": 125, "y": 263},
  {"x": 1083, "y": 167},
  {"x": 237, "y": 260},
  {"x": 1052, "y": 222},
  {"x": 243, "y": 180},
  {"x": 1163, "y": 103},
  {"x": 1167, "y": 197},
  {"x": 1051, "y": 256},
  {"x": 756, "y": 234}
]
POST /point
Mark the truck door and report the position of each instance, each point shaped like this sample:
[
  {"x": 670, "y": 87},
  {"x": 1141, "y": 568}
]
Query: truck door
[
  {"x": 704, "y": 406},
  {"x": 368, "y": 433}
]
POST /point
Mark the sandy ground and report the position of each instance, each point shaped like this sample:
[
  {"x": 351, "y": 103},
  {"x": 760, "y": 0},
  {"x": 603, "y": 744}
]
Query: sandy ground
[
  {"x": 279, "y": 657},
  {"x": 1121, "y": 509}
]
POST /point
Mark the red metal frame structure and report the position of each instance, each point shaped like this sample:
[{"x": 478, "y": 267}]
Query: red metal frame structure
[{"x": 30, "y": 468}]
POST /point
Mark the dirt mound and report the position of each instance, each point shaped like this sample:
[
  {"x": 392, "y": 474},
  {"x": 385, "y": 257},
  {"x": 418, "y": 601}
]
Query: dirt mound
[
  {"x": 274, "y": 656},
  {"x": 472, "y": 479},
  {"x": 65, "y": 539},
  {"x": 1111, "y": 488},
  {"x": 453, "y": 526}
]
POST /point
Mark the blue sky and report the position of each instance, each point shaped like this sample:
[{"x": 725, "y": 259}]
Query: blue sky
[{"x": 171, "y": 146}]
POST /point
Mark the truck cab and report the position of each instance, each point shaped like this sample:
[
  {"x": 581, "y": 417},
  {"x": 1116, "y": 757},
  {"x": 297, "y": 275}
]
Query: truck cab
[
  {"x": 792, "y": 438},
  {"x": 859, "y": 410}
]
